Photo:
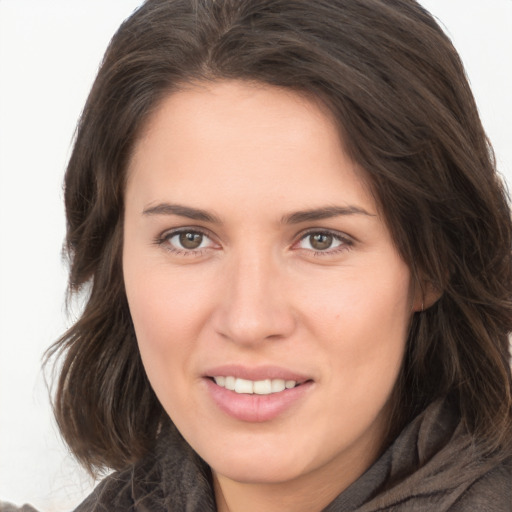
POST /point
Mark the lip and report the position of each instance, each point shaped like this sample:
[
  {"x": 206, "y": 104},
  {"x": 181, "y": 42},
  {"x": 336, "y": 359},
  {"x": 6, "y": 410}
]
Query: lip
[{"x": 256, "y": 408}]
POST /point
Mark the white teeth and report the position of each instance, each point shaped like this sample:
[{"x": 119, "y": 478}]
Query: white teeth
[
  {"x": 263, "y": 387},
  {"x": 278, "y": 385},
  {"x": 220, "y": 381},
  {"x": 244, "y": 386},
  {"x": 259, "y": 387},
  {"x": 229, "y": 383}
]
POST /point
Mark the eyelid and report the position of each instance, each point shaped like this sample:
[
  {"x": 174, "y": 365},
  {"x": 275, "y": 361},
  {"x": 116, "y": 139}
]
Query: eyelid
[
  {"x": 347, "y": 240},
  {"x": 163, "y": 238}
]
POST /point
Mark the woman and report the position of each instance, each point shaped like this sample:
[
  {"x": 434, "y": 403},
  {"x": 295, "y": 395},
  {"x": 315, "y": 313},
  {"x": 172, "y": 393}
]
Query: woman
[{"x": 297, "y": 256}]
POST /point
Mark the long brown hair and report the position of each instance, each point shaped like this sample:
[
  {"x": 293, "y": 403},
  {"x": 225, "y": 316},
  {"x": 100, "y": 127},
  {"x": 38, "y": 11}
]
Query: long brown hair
[{"x": 396, "y": 85}]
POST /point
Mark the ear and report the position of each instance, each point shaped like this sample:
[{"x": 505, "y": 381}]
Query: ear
[{"x": 426, "y": 294}]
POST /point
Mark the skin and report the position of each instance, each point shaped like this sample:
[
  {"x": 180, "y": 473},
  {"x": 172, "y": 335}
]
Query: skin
[{"x": 258, "y": 291}]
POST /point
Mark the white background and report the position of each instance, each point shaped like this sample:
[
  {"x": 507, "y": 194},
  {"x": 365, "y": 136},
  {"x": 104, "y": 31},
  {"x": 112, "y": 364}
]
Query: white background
[{"x": 49, "y": 54}]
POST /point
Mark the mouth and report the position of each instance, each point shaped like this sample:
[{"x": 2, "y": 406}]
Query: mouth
[
  {"x": 256, "y": 394},
  {"x": 255, "y": 387}
]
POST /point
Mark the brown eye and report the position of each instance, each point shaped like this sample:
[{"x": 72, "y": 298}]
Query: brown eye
[
  {"x": 190, "y": 240},
  {"x": 187, "y": 242},
  {"x": 321, "y": 241}
]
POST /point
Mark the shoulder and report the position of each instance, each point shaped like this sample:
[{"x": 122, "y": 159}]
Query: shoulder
[
  {"x": 136, "y": 489},
  {"x": 492, "y": 492},
  {"x": 435, "y": 465},
  {"x": 171, "y": 477},
  {"x": 111, "y": 494}
]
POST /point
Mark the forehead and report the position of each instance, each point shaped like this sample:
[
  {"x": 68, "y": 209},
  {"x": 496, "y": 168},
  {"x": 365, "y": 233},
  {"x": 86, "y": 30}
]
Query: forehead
[
  {"x": 243, "y": 139},
  {"x": 236, "y": 96}
]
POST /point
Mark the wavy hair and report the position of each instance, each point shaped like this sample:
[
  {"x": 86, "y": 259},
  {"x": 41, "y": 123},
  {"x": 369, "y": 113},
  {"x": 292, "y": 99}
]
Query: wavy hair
[{"x": 396, "y": 86}]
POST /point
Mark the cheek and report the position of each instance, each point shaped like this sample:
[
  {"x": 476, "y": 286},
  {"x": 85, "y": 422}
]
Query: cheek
[
  {"x": 362, "y": 322},
  {"x": 369, "y": 301},
  {"x": 164, "y": 302},
  {"x": 167, "y": 313},
  {"x": 164, "y": 331}
]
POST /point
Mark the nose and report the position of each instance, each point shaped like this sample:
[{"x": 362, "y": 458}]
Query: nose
[{"x": 254, "y": 304}]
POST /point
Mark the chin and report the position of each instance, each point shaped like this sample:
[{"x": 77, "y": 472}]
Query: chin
[{"x": 265, "y": 470}]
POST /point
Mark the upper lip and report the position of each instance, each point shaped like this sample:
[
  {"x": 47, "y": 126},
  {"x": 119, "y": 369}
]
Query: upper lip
[{"x": 256, "y": 373}]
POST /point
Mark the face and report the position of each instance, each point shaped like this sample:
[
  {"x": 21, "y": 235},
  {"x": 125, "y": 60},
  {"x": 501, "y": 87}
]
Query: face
[{"x": 270, "y": 305}]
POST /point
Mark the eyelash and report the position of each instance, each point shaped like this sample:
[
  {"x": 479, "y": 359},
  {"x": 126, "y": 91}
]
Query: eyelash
[
  {"x": 163, "y": 241},
  {"x": 346, "y": 242}
]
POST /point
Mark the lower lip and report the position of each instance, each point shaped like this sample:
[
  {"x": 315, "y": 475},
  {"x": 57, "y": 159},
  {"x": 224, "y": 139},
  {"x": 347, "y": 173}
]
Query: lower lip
[{"x": 256, "y": 408}]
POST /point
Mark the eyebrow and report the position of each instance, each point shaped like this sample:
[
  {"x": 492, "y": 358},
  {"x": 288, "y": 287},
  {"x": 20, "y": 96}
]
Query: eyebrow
[
  {"x": 292, "y": 218},
  {"x": 182, "y": 211},
  {"x": 323, "y": 213}
]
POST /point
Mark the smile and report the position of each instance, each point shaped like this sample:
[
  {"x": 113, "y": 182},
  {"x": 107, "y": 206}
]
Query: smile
[
  {"x": 256, "y": 400},
  {"x": 258, "y": 387}
]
